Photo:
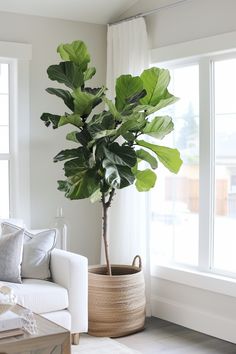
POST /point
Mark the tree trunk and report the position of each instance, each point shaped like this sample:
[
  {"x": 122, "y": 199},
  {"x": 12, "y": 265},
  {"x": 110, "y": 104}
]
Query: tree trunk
[{"x": 105, "y": 207}]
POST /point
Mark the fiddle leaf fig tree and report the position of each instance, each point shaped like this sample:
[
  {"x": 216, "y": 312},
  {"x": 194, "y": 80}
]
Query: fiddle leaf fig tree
[{"x": 109, "y": 145}]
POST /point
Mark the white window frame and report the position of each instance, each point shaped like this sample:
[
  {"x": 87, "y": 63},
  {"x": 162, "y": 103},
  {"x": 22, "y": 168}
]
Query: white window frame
[
  {"x": 202, "y": 51},
  {"x": 18, "y": 56}
]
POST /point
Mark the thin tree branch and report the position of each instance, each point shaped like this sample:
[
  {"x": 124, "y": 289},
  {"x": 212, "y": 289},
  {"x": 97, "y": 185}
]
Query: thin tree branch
[
  {"x": 104, "y": 233},
  {"x": 111, "y": 195}
]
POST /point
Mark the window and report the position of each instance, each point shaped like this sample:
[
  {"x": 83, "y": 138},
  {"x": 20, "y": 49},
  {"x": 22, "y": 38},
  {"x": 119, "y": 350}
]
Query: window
[
  {"x": 174, "y": 202},
  {"x": 193, "y": 214},
  {"x": 4, "y": 140},
  {"x": 14, "y": 130},
  {"x": 225, "y": 165}
]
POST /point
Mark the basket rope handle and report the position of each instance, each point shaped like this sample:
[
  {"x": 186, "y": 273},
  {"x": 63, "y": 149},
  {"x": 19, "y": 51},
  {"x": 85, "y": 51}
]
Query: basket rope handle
[{"x": 137, "y": 257}]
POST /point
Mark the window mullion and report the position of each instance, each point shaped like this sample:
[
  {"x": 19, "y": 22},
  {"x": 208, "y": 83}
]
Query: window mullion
[
  {"x": 206, "y": 165},
  {"x": 4, "y": 156}
]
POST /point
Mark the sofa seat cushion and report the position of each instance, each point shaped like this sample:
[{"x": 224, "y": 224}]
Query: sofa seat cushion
[{"x": 40, "y": 296}]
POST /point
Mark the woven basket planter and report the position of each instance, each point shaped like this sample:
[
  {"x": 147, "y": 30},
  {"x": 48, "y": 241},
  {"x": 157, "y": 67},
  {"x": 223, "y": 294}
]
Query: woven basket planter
[{"x": 117, "y": 302}]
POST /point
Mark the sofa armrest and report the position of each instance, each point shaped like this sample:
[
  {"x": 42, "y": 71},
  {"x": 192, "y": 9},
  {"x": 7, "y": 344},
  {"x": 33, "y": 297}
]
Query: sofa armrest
[{"x": 70, "y": 270}]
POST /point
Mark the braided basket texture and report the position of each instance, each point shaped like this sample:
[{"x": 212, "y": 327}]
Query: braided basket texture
[{"x": 117, "y": 302}]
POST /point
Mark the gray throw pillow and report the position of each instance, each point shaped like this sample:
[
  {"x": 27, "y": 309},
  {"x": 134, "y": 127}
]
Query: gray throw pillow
[
  {"x": 36, "y": 251},
  {"x": 11, "y": 246}
]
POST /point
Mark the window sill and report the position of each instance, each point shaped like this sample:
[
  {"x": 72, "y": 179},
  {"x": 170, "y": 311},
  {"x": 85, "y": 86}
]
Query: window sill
[{"x": 203, "y": 280}]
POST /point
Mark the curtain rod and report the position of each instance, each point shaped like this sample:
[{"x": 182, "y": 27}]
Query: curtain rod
[{"x": 142, "y": 14}]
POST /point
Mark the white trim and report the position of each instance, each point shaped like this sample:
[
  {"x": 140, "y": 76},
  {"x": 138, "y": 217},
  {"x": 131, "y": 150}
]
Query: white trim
[
  {"x": 188, "y": 316},
  {"x": 206, "y": 153},
  {"x": 18, "y": 56},
  {"x": 4, "y": 156},
  {"x": 200, "y": 47},
  {"x": 20, "y": 117},
  {"x": 203, "y": 280},
  {"x": 12, "y": 50}
]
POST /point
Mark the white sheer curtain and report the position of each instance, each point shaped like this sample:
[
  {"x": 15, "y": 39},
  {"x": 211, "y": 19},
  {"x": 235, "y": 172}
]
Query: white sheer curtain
[{"x": 127, "y": 53}]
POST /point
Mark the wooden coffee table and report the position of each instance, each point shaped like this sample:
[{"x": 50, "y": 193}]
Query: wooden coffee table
[{"x": 50, "y": 338}]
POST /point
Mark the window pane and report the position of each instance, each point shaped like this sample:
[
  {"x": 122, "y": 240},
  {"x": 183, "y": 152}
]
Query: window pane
[
  {"x": 4, "y": 139},
  {"x": 4, "y": 110},
  {"x": 4, "y": 81},
  {"x": 175, "y": 199},
  {"x": 4, "y": 189},
  {"x": 225, "y": 166}
]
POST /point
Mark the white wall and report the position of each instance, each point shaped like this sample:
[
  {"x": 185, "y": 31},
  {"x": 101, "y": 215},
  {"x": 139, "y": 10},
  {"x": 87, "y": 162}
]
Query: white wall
[
  {"x": 189, "y": 20},
  {"x": 45, "y": 34},
  {"x": 193, "y": 307}
]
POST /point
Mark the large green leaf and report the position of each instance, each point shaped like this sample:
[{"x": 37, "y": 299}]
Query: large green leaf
[
  {"x": 155, "y": 82},
  {"x": 135, "y": 122},
  {"x": 169, "y": 157},
  {"x": 76, "y": 52},
  {"x": 146, "y": 156},
  {"x": 145, "y": 180},
  {"x": 120, "y": 155},
  {"x": 117, "y": 176},
  {"x": 49, "y": 118},
  {"x": 72, "y": 153},
  {"x": 74, "y": 167},
  {"x": 80, "y": 186},
  {"x": 67, "y": 73},
  {"x": 77, "y": 165},
  {"x": 63, "y": 94},
  {"x": 159, "y": 127},
  {"x": 73, "y": 119},
  {"x": 165, "y": 101},
  {"x": 84, "y": 102},
  {"x": 127, "y": 87}
]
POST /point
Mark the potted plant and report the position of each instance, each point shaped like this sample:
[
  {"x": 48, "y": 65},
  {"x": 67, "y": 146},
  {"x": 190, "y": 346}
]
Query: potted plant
[{"x": 109, "y": 146}]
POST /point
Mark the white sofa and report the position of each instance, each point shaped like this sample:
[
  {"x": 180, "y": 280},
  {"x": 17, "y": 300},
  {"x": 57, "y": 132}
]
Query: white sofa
[{"x": 65, "y": 299}]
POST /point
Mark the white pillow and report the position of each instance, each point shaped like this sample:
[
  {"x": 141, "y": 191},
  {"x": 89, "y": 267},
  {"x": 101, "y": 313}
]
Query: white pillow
[
  {"x": 36, "y": 251},
  {"x": 17, "y": 222},
  {"x": 11, "y": 247}
]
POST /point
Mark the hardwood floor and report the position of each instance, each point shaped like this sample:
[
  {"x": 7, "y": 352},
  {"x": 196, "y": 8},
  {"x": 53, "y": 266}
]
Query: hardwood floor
[{"x": 164, "y": 337}]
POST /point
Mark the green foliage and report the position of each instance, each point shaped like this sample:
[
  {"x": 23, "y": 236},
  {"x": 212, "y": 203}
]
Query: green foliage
[
  {"x": 145, "y": 180},
  {"x": 67, "y": 73},
  {"x": 169, "y": 157},
  {"x": 159, "y": 127},
  {"x": 108, "y": 146}
]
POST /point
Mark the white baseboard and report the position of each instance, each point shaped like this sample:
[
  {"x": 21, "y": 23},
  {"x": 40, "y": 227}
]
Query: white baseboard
[{"x": 190, "y": 317}]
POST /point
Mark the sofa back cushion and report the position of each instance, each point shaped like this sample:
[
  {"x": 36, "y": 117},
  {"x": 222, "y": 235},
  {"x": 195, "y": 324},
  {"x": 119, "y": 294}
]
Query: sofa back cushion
[
  {"x": 11, "y": 256},
  {"x": 36, "y": 251}
]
